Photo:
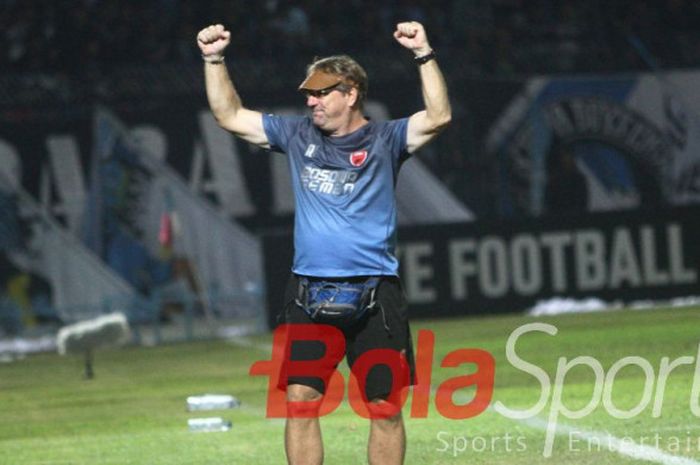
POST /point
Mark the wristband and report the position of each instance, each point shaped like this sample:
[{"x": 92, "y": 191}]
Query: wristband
[
  {"x": 421, "y": 60},
  {"x": 211, "y": 59}
]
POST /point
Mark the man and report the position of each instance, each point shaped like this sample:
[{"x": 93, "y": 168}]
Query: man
[{"x": 344, "y": 169}]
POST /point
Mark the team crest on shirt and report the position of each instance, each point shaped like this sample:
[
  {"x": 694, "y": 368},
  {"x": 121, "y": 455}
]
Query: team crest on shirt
[{"x": 358, "y": 158}]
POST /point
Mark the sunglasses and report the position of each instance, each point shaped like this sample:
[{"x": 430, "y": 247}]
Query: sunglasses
[{"x": 323, "y": 92}]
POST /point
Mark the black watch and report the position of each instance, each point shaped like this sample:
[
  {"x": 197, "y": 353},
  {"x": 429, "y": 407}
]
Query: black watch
[{"x": 421, "y": 60}]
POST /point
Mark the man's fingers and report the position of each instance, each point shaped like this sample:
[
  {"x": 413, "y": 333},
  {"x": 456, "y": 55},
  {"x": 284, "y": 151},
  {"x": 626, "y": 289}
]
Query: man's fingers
[
  {"x": 408, "y": 29},
  {"x": 213, "y": 33}
]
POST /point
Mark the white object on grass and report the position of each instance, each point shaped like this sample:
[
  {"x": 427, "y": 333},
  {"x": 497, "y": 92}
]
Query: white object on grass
[
  {"x": 212, "y": 402},
  {"x": 208, "y": 425},
  {"x": 86, "y": 336},
  {"x": 105, "y": 331}
]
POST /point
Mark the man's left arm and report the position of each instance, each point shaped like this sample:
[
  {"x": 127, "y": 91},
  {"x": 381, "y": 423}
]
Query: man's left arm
[{"x": 426, "y": 124}]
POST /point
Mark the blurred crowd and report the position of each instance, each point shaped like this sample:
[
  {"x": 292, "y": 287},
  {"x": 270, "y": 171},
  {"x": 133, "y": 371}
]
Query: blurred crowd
[{"x": 496, "y": 37}]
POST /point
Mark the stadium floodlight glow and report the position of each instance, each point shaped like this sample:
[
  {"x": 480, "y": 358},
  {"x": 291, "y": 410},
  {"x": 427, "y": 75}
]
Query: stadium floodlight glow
[
  {"x": 85, "y": 337},
  {"x": 483, "y": 379}
]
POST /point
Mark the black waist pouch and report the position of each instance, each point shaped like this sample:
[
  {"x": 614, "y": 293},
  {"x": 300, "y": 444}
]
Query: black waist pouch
[{"x": 339, "y": 303}]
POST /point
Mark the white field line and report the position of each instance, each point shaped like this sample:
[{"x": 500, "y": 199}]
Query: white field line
[
  {"x": 613, "y": 444},
  {"x": 681, "y": 428}
]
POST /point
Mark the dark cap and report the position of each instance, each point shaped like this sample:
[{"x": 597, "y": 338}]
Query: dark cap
[{"x": 319, "y": 80}]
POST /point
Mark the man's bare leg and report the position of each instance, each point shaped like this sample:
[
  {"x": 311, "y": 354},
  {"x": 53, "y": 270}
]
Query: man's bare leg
[
  {"x": 302, "y": 436},
  {"x": 387, "y": 441}
]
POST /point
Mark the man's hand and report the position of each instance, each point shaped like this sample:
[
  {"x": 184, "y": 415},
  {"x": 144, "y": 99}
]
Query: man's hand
[
  {"x": 412, "y": 36},
  {"x": 213, "y": 40}
]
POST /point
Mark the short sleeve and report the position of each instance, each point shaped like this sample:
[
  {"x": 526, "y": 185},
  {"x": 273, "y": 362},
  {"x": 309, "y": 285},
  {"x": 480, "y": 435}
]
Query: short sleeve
[
  {"x": 394, "y": 133},
  {"x": 279, "y": 130}
]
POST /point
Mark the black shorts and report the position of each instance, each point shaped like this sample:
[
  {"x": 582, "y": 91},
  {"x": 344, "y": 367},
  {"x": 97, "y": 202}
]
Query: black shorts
[{"x": 382, "y": 328}]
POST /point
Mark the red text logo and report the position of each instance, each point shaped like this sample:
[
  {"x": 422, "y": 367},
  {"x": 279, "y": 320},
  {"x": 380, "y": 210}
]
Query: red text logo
[{"x": 279, "y": 368}]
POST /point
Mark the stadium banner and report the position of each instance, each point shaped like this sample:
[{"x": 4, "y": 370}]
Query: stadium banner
[
  {"x": 598, "y": 143},
  {"x": 538, "y": 146},
  {"x": 47, "y": 277},
  {"x": 48, "y": 151},
  {"x": 160, "y": 236},
  {"x": 499, "y": 267},
  {"x": 118, "y": 209}
]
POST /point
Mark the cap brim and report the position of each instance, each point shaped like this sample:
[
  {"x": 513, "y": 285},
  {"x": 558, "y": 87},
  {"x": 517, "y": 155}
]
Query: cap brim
[{"x": 319, "y": 80}]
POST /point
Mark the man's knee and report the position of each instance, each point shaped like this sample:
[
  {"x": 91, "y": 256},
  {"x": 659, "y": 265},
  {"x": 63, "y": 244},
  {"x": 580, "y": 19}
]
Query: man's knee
[
  {"x": 386, "y": 414},
  {"x": 303, "y": 401},
  {"x": 302, "y": 393}
]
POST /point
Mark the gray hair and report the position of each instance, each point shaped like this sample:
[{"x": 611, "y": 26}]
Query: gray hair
[{"x": 342, "y": 65}]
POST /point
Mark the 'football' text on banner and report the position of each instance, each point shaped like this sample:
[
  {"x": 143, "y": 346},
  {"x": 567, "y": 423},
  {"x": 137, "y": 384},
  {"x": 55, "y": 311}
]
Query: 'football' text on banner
[{"x": 485, "y": 267}]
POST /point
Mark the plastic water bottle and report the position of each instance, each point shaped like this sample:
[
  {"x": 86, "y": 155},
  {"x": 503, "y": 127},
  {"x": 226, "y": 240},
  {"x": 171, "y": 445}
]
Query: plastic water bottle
[
  {"x": 211, "y": 402},
  {"x": 208, "y": 425}
]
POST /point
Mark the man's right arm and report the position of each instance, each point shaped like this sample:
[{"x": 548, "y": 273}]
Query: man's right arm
[{"x": 224, "y": 101}]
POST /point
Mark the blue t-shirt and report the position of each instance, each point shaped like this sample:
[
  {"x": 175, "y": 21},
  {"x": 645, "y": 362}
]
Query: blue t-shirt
[{"x": 345, "y": 221}]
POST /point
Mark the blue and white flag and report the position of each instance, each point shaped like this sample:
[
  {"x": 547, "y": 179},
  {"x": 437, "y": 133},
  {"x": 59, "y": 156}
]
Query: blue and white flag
[{"x": 599, "y": 143}]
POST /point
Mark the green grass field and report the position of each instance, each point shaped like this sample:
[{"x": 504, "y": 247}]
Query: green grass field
[{"x": 133, "y": 412}]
